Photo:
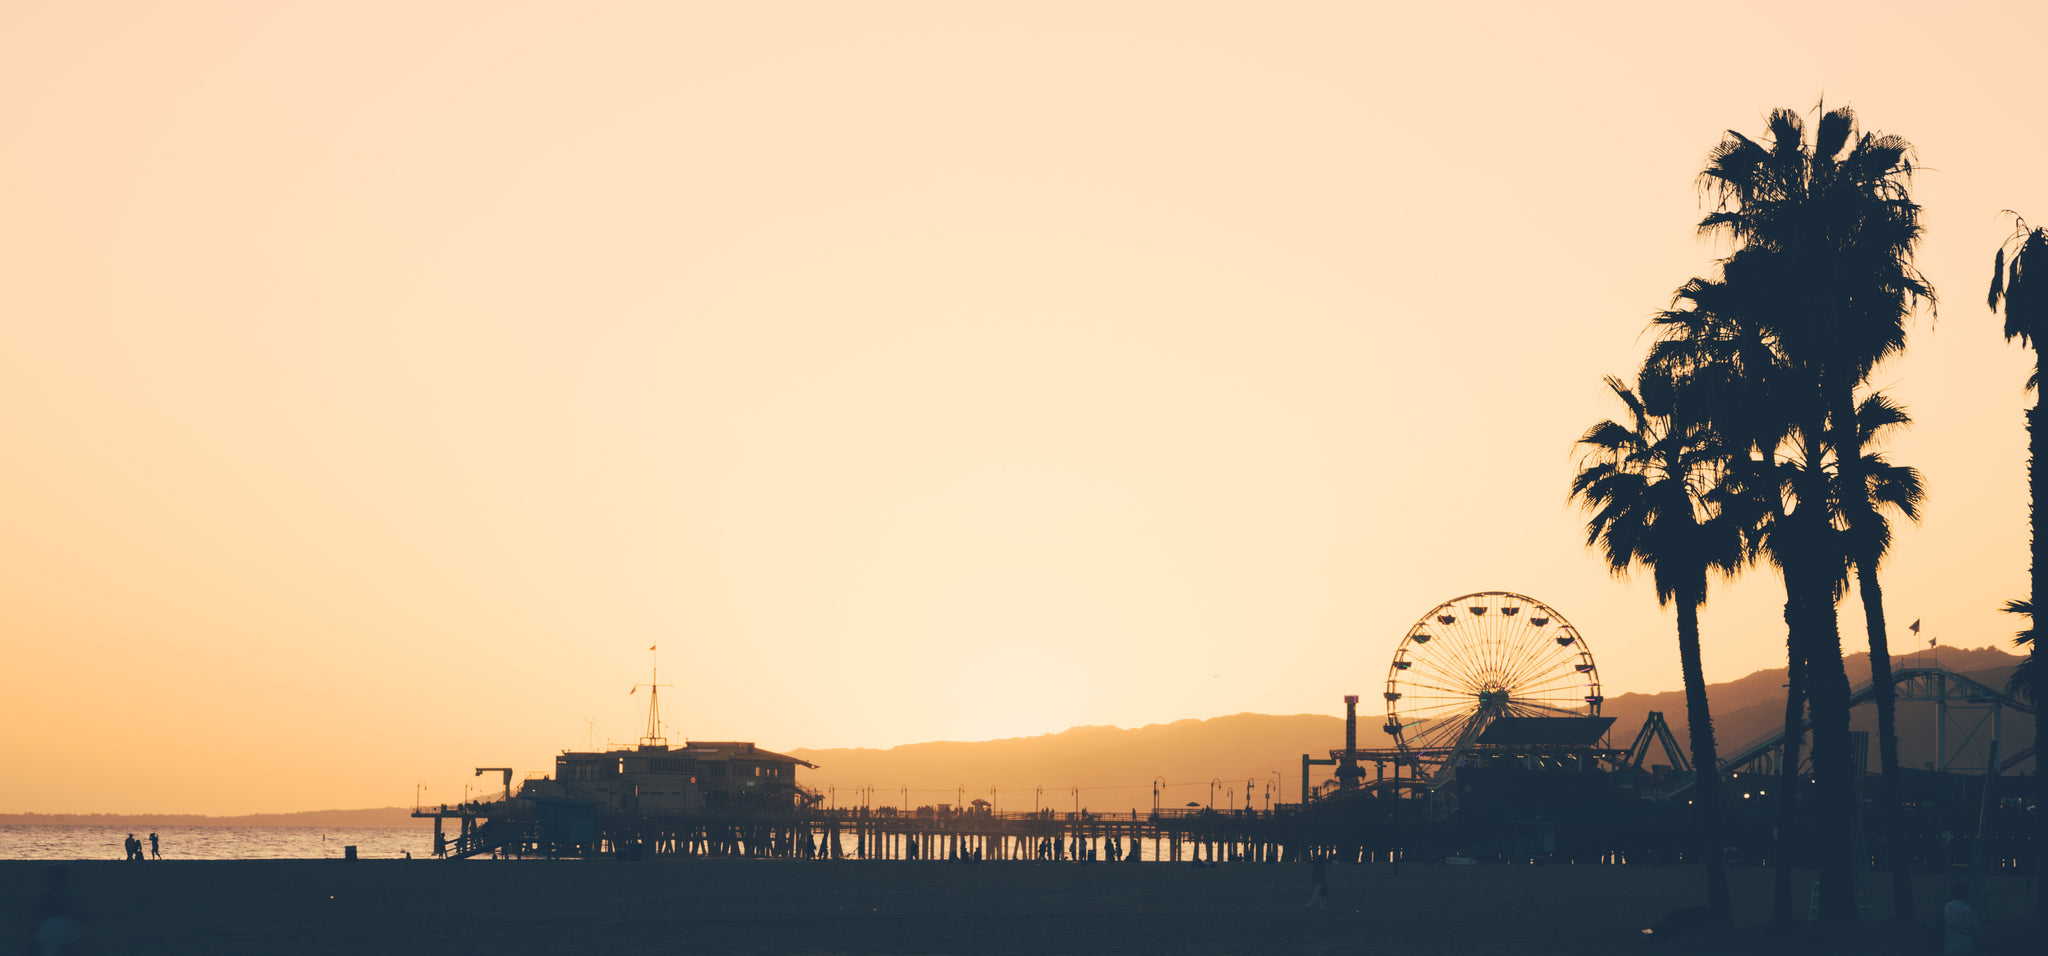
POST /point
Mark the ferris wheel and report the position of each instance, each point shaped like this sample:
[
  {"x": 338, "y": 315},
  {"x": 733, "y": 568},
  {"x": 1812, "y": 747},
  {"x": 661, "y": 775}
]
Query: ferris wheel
[{"x": 1480, "y": 657}]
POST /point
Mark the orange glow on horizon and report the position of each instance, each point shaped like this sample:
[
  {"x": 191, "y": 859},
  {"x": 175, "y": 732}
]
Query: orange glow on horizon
[{"x": 380, "y": 380}]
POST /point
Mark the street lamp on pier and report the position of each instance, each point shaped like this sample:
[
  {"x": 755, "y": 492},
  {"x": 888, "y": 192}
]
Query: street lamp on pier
[
  {"x": 1077, "y": 799},
  {"x": 1279, "y": 788},
  {"x": 1158, "y": 783},
  {"x": 416, "y": 788},
  {"x": 1214, "y": 782}
]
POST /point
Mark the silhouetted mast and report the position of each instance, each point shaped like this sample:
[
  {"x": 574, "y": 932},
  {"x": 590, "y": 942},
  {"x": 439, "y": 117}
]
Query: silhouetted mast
[{"x": 653, "y": 738}]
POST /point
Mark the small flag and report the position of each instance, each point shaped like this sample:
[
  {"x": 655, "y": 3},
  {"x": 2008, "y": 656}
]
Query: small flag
[
  {"x": 635, "y": 690},
  {"x": 1930, "y": 642},
  {"x": 1916, "y": 626},
  {"x": 1916, "y": 630}
]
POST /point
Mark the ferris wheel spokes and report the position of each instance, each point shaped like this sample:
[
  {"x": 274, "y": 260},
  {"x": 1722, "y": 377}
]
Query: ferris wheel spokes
[{"x": 1480, "y": 657}]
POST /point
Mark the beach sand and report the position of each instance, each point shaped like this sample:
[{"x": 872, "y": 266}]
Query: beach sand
[{"x": 763, "y": 906}]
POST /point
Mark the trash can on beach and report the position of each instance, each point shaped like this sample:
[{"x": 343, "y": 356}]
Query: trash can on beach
[{"x": 348, "y": 853}]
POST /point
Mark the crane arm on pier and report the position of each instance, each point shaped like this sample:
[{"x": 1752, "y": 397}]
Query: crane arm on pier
[{"x": 507, "y": 771}]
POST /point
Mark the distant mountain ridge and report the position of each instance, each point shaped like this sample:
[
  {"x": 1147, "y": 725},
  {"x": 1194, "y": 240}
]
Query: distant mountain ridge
[
  {"x": 1115, "y": 767},
  {"x": 1752, "y": 707}
]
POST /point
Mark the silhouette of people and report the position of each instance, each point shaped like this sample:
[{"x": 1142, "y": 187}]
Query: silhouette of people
[
  {"x": 154, "y": 852},
  {"x": 1959, "y": 921},
  {"x": 52, "y": 926},
  {"x": 132, "y": 848},
  {"x": 1318, "y": 887}
]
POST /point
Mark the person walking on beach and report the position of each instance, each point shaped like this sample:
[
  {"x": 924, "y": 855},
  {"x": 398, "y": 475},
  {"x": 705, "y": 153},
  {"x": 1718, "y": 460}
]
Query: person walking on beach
[
  {"x": 154, "y": 853},
  {"x": 1960, "y": 922},
  {"x": 1318, "y": 887}
]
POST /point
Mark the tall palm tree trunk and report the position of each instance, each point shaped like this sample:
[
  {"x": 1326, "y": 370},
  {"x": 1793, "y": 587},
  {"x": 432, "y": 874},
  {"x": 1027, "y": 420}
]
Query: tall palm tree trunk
[
  {"x": 1827, "y": 689},
  {"x": 1788, "y": 768},
  {"x": 1706, "y": 763},
  {"x": 1819, "y": 636},
  {"x": 1865, "y": 540},
  {"x": 1887, "y": 741},
  {"x": 2037, "y": 489}
]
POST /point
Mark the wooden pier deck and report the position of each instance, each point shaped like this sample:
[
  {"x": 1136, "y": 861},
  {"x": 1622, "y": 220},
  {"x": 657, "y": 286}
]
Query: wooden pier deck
[{"x": 1286, "y": 833}]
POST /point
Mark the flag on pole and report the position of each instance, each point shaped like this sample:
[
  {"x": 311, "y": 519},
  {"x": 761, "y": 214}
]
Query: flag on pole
[
  {"x": 635, "y": 690},
  {"x": 1915, "y": 627},
  {"x": 1916, "y": 631}
]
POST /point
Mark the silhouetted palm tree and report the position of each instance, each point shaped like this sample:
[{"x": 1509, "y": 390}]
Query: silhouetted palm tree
[
  {"x": 1885, "y": 487},
  {"x": 2021, "y": 683},
  {"x": 2025, "y": 298},
  {"x": 1649, "y": 484},
  {"x": 1762, "y": 494},
  {"x": 1733, "y": 372},
  {"x": 1824, "y": 238}
]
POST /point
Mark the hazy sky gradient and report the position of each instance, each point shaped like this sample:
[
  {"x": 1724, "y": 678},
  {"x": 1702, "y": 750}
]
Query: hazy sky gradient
[{"x": 378, "y": 381}]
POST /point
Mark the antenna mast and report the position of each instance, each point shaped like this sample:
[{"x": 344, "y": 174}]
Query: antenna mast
[{"x": 653, "y": 739}]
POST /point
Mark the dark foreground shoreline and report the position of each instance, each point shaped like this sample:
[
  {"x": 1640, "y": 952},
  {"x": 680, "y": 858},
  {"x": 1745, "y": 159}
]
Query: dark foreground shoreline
[{"x": 764, "y": 906}]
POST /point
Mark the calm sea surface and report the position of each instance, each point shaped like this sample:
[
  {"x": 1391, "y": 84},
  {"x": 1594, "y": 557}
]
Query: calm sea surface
[{"x": 216, "y": 843}]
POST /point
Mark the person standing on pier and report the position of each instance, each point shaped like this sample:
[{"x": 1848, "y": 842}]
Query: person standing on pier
[{"x": 154, "y": 853}]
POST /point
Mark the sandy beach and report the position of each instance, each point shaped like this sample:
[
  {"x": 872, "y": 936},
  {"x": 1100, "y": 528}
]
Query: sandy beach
[{"x": 743, "y": 906}]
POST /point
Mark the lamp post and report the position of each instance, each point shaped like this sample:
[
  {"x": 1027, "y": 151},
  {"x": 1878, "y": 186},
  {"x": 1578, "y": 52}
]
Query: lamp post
[
  {"x": 832, "y": 798},
  {"x": 1077, "y": 799},
  {"x": 1278, "y": 787},
  {"x": 1036, "y": 796},
  {"x": 991, "y": 801},
  {"x": 416, "y": 788},
  {"x": 1214, "y": 782},
  {"x": 906, "y": 798},
  {"x": 1157, "y": 784}
]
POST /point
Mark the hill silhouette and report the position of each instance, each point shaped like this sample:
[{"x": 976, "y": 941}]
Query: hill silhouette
[
  {"x": 1114, "y": 767},
  {"x": 1752, "y": 707}
]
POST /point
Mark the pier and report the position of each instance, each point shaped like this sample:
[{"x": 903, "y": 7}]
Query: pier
[{"x": 521, "y": 828}]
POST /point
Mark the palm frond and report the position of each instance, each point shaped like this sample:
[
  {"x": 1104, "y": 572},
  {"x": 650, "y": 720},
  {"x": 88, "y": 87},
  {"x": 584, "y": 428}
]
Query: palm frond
[{"x": 2021, "y": 683}]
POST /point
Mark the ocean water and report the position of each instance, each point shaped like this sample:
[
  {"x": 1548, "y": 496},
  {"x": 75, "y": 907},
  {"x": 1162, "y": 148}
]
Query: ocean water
[{"x": 216, "y": 843}]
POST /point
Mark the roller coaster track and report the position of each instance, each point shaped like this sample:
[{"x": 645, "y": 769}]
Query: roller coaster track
[{"x": 1915, "y": 684}]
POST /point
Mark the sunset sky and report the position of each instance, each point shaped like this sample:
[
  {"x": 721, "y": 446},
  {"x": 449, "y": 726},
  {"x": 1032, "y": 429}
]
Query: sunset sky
[{"x": 379, "y": 380}]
